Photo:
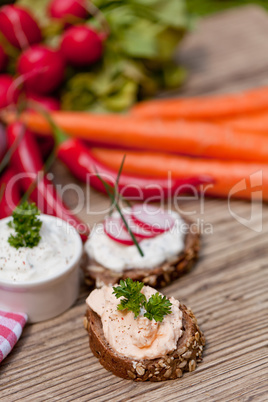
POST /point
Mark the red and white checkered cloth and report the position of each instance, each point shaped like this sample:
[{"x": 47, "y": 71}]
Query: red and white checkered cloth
[{"x": 11, "y": 326}]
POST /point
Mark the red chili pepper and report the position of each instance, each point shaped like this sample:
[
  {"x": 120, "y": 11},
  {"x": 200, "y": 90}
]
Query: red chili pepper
[
  {"x": 28, "y": 161},
  {"x": 81, "y": 162},
  {"x": 45, "y": 145},
  {"x": 9, "y": 193}
]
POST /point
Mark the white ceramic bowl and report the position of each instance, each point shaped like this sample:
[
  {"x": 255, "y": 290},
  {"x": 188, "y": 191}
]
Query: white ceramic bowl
[{"x": 49, "y": 297}]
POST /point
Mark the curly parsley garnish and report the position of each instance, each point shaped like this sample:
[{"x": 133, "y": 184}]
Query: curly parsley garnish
[
  {"x": 133, "y": 300},
  {"x": 156, "y": 307},
  {"x": 27, "y": 226}
]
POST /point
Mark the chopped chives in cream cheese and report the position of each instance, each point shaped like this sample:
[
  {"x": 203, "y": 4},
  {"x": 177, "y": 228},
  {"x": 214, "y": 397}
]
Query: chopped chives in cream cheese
[{"x": 50, "y": 257}]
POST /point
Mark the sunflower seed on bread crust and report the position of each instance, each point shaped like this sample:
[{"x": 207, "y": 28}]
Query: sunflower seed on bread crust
[
  {"x": 171, "y": 366},
  {"x": 97, "y": 275}
]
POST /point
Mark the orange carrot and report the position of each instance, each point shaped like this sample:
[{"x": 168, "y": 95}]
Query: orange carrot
[
  {"x": 257, "y": 122},
  {"x": 192, "y": 138},
  {"x": 225, "y": 173},
  {"x": 203, "y": 108}
]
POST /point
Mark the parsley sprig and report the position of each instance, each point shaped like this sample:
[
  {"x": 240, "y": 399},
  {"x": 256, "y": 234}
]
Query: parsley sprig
[
  {"x": 27, "y": 226},
  {"x": 156, "y": 307},
  {"x": 133, "y": 300}
]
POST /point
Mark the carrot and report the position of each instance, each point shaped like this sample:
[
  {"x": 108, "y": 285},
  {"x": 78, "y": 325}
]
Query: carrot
[
  {"x": 203, "y": 108},
  {"x": 192, "y": 138},
  {"x": 225, "y": 173},
  {"x": 257, "y": 122}
]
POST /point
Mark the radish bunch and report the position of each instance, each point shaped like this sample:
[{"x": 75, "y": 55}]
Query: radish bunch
[
  {"x": 144, "y": 222},
  {"x": 64, "y": 9},
  {"x": 19, "y": 27},
  {"x": 93, "y": 55},
  {"x": 40, "y": 69},
  {"x": 81, "y": 46},
  {"x": 3, "y": 59},
  {"x": 8, "y": 92}
]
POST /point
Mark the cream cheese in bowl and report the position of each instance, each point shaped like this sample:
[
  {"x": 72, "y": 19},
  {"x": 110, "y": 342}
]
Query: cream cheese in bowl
[
  {"x": 53, "y": 253},
  {"x": 42, "y": 281}
]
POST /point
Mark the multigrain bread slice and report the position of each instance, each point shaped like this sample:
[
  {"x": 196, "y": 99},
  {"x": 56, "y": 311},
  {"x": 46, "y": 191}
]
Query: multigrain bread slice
[
  {"x": 97, "y": 275},
  {"x": 184, "y": 358}
]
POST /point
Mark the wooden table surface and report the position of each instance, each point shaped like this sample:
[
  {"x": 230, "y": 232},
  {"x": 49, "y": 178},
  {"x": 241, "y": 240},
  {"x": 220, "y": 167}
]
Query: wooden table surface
[{"x": 227, "y": 289}]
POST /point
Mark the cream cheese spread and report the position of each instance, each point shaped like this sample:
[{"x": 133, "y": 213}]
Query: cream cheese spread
[
  {"x": 137, "y": 338},
  {"x": 118, "y": 257},
  {"x": 52, "y": 255}
]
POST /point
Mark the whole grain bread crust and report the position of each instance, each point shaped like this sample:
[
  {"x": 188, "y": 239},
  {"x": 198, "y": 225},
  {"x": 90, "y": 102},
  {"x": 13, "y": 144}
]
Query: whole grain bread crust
[
  {"x": 184, "y": 358},
  {"x": 97, "y": 275}
]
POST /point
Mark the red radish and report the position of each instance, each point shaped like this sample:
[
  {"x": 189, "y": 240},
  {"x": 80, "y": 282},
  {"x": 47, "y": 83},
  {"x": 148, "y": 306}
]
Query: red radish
[
  {"x": 138, "y": 230},
  {"x": 46, "y": 102},
  {"x": 8, "y": 93},
  {"x": 81, "y": 46},
  {"x": 113, "y": 227},
  {"x": 60, "y": 9},
  {"x": 19, "y": 27},
  {"x": 42, "y": 69},
  {"x": 3, "y": 59},
  {"x": 152, "y": 218}
]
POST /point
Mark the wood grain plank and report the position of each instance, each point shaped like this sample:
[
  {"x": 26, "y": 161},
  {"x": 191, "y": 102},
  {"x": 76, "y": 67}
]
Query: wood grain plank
[{"x": 227, "y": 289}]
